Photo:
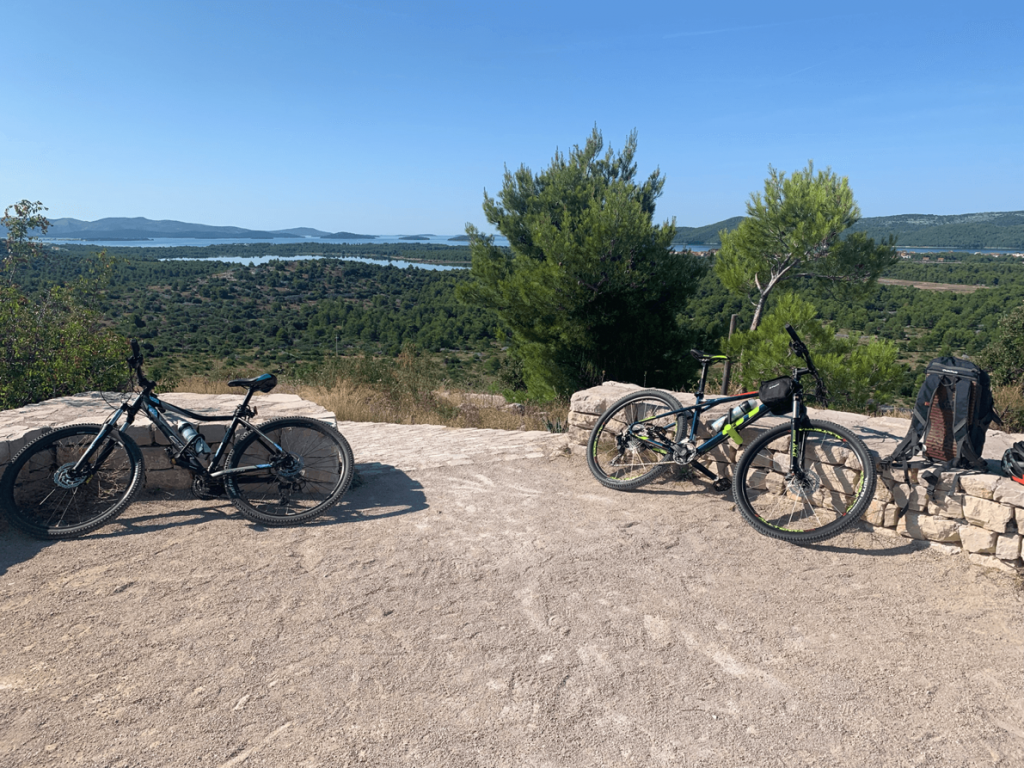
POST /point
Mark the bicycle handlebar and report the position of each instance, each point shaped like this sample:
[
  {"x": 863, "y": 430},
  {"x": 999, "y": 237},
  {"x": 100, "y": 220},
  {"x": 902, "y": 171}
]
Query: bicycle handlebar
[
  {"x": 820, "y": 392},
  {"x": 135, "y": 363}
]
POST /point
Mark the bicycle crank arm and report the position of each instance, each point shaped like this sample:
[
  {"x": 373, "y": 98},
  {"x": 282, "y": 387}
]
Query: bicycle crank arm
[
  {"x": 718, "y": 483},
  {"x": 704, "y": 470}
]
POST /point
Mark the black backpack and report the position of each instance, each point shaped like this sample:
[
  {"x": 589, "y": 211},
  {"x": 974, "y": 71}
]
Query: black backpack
[{"x": 954, "y": 408}]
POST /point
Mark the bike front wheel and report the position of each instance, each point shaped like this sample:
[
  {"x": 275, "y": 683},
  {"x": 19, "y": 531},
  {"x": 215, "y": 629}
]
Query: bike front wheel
[
  {"x": 631, "y": 444},
  {"x": 45, "y": 496},
  {"x": 829, "y": 487},
  {"x": 300, "y": 477}
]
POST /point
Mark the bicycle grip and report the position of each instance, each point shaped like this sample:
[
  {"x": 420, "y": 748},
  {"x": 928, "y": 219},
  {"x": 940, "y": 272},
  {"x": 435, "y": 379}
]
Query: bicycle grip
[{"x": 792, "y": 333}]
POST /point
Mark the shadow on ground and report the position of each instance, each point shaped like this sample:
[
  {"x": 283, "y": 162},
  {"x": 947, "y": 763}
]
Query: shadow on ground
[{"x": 381, "y": 491}]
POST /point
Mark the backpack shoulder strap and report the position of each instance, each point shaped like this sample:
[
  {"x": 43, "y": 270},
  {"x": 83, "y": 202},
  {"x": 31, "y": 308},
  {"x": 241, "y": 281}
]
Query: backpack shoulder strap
[
  {"x": 911, "y": 444},
  {"x": 961, "y": 422}
]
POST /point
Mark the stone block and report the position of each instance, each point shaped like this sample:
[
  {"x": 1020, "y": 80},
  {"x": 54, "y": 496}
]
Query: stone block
[
  {"x": 582, "y": 420},
  {"x": 723, "y": 453},
  {"x": 941, "y": 503},
  {"x": 159, "y": 438},
  {"x": 596, "y": 400},
  {"x": 578, "y": 436},
  {"x": 978, "y": 540},
  {"x": 721, "y": 468},
  {"x": 837, "y": 477},
  {"x": 912, "y": 498},
  {"x": 898, "y": 475},
  {"x": 944, "y": 549},
  {"x": 1010, "y": 492},
  {"x": 990, "y": 515},
  {"x": 142, "y": 434},
  {"x": 928, "y": 527},
  {"x": 757, "y": 479},
  {"x": 945, "y": 480},
  {"x": 834, "y": 501},
  {"x": 763, "y": 459},
  {"x": 833, "y": 454},
  {"x": 875, "y": 513},
  {"x": 169, "y": 479},
  {"x": 156, "y": 458},
  {"x": 883, "y": 492},
  {"x": 763, "y": 479},
  {"x": 213, "y": 432},
  {"x": 1008, "y": 547},
  {"x": 982, "y": 486},
  {"x": 14, "y": 447}
]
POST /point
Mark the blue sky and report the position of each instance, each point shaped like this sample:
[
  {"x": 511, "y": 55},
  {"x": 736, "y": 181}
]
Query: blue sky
[{"x": 393, "y": 117}]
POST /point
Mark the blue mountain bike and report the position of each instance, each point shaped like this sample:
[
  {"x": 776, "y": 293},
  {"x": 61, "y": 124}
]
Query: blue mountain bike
[{"x": 802, "y": 481}]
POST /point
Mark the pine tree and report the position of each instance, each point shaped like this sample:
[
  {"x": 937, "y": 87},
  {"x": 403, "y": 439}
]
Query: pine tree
[
  {"x": 587, "y": 289},
  {"x": 795, "y": 232}
]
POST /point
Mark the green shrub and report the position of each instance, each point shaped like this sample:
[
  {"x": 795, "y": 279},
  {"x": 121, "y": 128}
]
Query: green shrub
[
  {"x": 53, "y": 345},
  {"x": 859, "y": 377}
]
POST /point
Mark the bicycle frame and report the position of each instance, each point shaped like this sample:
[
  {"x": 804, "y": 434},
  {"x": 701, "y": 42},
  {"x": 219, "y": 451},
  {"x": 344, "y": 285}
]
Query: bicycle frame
[
  {"x": 686, "y": 451},
  {"x": 154, "y": 407}
]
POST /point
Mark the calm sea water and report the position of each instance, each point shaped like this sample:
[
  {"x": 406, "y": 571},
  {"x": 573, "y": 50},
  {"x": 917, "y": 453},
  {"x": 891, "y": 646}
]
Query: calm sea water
[{"x": 268, "y": 257}]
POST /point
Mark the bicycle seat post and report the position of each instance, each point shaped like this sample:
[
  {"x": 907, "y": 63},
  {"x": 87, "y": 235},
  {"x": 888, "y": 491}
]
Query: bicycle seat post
[{"x": 703, "y": 379}]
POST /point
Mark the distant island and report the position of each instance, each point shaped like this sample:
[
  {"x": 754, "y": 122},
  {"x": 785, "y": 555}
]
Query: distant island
[
  {"x": 348, "y": 236},
  {"x": 1002, "y": 230},
  {"x": 140, "y": 228}
]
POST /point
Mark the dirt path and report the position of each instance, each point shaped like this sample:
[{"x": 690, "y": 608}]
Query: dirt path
[{"x": 504, "y": 614}]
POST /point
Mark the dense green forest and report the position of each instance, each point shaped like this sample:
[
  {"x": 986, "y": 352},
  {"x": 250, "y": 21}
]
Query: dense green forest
[
  {"x": 280, "y": 314},
  {"x": 283, "y": 315},
  {"x": 974, "y": 230}
]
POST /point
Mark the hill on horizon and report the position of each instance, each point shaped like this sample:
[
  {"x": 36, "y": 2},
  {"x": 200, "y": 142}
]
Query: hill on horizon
[
  {"x": 912, "y": 230},
  {"x": 962, "y": 231},
  {"x": 141, "y": 228}
]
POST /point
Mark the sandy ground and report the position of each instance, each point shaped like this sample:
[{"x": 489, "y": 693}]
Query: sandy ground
[{"x": 509, "y": 614}]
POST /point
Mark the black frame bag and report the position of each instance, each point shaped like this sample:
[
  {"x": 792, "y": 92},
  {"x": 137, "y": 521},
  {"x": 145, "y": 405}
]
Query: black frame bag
[{"x": 777, "y": 395}]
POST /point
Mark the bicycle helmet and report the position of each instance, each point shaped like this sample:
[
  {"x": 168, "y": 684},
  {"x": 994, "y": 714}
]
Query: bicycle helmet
[{"x": 1013, "y": 462}]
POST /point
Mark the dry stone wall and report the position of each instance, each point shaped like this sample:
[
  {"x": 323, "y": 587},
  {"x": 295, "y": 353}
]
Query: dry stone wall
[
  {"x": 979, "y": 514},
  {"x": 21, "y": 426}
]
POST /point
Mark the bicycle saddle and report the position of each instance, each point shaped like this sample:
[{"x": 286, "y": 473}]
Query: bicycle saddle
[
  {"x": 262, "y": 383},
  {"x": 702, "y": 357}
]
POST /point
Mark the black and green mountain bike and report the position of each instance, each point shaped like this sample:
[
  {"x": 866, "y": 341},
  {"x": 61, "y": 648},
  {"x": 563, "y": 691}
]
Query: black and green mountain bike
[{"x": 802, "y": 481}]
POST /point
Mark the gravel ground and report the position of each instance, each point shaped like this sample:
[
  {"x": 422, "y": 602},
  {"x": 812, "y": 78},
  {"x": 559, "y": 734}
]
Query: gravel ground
[{"x": 503, "y": 614}]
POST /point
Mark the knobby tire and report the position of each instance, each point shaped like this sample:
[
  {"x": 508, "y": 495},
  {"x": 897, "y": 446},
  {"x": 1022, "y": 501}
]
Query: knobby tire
[
  {"x": 41, "y": 498},
  {"x": 832, "y": 492},
  {"x": 315, "y": 470},
  {"x": 621, "y": 452}
]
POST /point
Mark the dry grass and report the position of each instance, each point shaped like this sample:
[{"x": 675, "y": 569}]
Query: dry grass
[
  {"x": 1009, "y": 399},
  {"x": 397, "y": 400}
]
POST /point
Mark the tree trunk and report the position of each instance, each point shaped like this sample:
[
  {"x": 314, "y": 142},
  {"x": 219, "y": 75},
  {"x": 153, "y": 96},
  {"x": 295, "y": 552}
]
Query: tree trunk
[{"x": 758, "y": 311}]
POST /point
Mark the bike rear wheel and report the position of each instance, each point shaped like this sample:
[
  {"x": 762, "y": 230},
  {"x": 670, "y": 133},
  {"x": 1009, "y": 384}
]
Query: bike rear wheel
[
  {"x": 43, "y": 495},
  {"x": 832, "y": 486},
  {"x": 631, "y": 443},
  {"x": 305, "y": 479}
]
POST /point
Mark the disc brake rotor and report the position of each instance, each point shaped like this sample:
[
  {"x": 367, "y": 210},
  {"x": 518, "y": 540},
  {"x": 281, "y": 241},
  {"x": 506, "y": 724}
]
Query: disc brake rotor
[{"x": 63, "y": 478}]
